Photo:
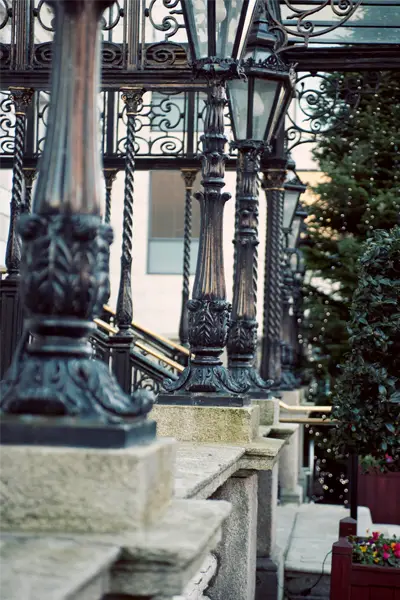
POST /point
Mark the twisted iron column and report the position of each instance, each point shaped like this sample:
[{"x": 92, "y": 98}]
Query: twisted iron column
[
  {"x": 21, "y": 98},
  {"x": 242, "y": 341},
  {"x": 288, "y": 380},
  {"x": 30, "y": 175},
  {"x": 69, "y": 397},
  {"x": 208, "y": 308},
  {"x": 133, "y": 99},
  {"x": 110, "y": 176},
  {"x": 189, "y": 176},
  {"x": 274, "y": 177}
]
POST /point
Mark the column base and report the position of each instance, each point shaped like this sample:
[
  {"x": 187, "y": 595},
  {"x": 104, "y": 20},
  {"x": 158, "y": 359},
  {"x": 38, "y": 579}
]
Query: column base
[
  {"x": 51, "y": 431},
  {"x": 208, "y": 424},
  {"x": 186, "y": 399}
]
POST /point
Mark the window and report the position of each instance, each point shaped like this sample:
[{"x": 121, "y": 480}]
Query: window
[{"x": 167, "y": 210}]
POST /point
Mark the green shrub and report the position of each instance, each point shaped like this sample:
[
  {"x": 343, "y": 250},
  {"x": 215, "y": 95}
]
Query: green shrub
[{"x": 367, "y": 393}]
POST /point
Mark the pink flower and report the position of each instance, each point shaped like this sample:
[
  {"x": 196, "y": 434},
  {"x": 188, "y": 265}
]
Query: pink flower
[
  {"x": 386, "y": 547},
  {"x": 375, "y": 535},
  {"x": 389, "y": 459},
  {"x": 397, "y": 553},
  {"x": 386, "y": 555}
]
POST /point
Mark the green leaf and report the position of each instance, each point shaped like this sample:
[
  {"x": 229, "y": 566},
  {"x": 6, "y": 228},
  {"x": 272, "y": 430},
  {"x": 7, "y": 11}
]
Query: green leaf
[{"x": 390, "y": 427}]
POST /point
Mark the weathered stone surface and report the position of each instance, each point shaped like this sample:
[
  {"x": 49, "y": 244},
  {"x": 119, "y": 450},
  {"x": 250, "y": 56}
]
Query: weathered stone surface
[
  {"x": 164, "y": 558},
  {"x": 261, "y": 454},
  {"x": 208, "y": 424},
  {"x": 202, "y": 468},
  {"x": 196, "y": 588},
  {"x": 85, "y": 490},
  {"x": 235, "y": 578},
  {"x": 45, "y": 568},
  {"x": 269, "y": 410},
  {"x": 289, "y": 461},
  {"x": 266, "y": 516}
]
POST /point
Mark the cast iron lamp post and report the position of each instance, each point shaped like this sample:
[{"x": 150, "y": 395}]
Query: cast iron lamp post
[
  {"x": 217, "y": 33},
  {"x": 54, "y": 392},
  {"x": 257, "y": 106}
]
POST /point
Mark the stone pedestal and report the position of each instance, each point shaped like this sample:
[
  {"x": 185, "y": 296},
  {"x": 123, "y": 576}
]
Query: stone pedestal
[
  {"x": 208, "y": 424},
  {"x": 236, "y": 574},
  {"x": 85, "y": 490},
  {"x": 289, "y": 460},
  {"x": 269, "y": 410}
]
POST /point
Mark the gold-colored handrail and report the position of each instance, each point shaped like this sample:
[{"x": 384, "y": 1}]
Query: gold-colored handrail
[
  {"x": 156, "y": 335},
  {"x": 309, "y": 421},
  {"x": 3, "y": 269},
  {"x": 156, "y": 354},
  {"x": 305, "y": 408},
  {"x": 113, "y": 330}
]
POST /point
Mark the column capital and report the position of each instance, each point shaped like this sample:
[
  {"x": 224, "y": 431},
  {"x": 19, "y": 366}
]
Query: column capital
[
  {"x": 133, "y": 98},
  {"x": 21, "y": 98},
  {"x": 189, "y": 176}
]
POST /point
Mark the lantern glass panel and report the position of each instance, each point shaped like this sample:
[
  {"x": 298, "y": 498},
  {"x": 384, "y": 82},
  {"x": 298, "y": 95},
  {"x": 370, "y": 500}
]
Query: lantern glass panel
[
  {"x": 196, "y": 12},
  {"x": 218, "y": 27},
  {"x": 294, "y": 233},
  {"x": 238, "y": 94},
  {"x": 289, "y": 207},
  {"x": 263, "y": 106}
]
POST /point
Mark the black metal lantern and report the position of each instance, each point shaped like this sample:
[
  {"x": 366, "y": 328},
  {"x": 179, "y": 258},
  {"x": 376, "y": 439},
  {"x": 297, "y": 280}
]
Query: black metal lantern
[
  {"x": 292, "y": 212},
  {"x": 258, "y": 104},
  {"x": 218, "y": 29},
  {"x": 295, "y": 229}
]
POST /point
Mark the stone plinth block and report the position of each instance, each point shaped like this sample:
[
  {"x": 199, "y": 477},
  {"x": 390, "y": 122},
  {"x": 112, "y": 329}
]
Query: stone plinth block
[
  {"x": 269, "y": 410},
  {"x": 231, "y": 425},
  {"x": 84, "y": 490}
]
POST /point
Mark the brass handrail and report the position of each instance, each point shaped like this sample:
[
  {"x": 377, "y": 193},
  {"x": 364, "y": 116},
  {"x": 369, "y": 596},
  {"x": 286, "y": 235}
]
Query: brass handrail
[
  {"x": 310, "y": 421},
  {"x": 3, "y": 269},
  {"x": 156, "y": 354},
  {"x": 156, "y": 335},
  {"x": 305, "y": 408},
  {"x": 113, "y": 330}
]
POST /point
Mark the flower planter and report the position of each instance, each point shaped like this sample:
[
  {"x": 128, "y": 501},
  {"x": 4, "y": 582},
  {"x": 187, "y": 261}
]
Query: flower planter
[
  {"x": 381, "y": 493},
  {"x": 350, "y": 581}
]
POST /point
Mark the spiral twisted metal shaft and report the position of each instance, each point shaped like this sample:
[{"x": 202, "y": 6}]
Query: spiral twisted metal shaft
[
  {"x": 124, "y": 312},
  {"x": 29, "y": 175},
  {"x": 189, "y": 176},
  {"x": 109, "y": 176},
  {"x": 21, "y": 98},
  {"x": 271, "y": 362}
]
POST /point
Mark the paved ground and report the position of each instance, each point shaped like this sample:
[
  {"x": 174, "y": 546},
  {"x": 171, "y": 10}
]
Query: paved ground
[{"x": 307, "y": 533}]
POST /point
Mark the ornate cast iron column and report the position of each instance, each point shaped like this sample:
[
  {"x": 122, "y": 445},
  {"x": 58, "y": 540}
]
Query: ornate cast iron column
[
  {"x": 29, "y": 175},
  {"x": 21, "y": 98},
  {"x": 208, "y": 308},
  {"x": 274, "y": 176},
  {"x": 242, "y": 341},
  {"x": 110, "y": 176},
  {"x": 133, "y": 98},
  {"x": 189, "y": 176},
  {"x": 70, "y": 398}
]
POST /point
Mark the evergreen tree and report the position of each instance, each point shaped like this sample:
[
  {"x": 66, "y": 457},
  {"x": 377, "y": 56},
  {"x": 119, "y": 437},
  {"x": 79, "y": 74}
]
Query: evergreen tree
[{"x": 360, "y": 157}]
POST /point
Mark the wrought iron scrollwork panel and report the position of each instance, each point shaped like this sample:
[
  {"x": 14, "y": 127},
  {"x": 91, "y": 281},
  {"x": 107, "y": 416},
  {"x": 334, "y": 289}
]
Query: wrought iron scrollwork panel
[
  {"x": 322, "y": 101},
  {"x": 7, "y": 124},
  {"x": 160, "y": 126},
  {"x": 302, "y": 22}
]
